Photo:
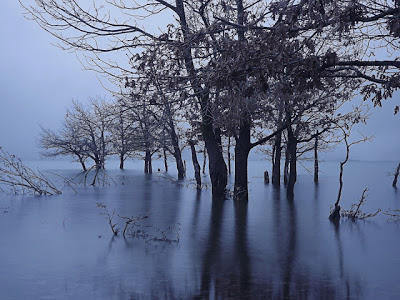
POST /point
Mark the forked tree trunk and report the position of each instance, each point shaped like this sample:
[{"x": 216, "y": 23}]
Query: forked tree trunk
[
  {"x": 316, "y": 163},
  {"x": 196, "y": 165},
  {"x": 396, "y": 175}
]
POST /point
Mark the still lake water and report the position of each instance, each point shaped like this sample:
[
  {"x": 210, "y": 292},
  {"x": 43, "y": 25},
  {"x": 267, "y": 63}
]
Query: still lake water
[{"x": 59, "y": 247}]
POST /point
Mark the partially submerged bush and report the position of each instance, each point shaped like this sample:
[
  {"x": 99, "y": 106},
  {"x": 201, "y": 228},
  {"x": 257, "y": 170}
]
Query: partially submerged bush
[
  {"x": 355, "y": 210},
  {"x": 16, "y": 178}
]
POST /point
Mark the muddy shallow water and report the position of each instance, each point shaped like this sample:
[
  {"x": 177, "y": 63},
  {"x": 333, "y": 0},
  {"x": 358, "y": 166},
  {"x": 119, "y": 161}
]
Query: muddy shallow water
[{"x": 60, "y": 247}]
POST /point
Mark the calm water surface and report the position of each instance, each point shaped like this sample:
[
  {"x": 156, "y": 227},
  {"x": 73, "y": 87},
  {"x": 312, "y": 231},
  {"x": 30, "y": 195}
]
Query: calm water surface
[{"x": 59, "y": 247}]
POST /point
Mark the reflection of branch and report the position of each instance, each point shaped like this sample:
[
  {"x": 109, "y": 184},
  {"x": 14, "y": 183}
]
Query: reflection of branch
[{"x": 21, "y": 179}]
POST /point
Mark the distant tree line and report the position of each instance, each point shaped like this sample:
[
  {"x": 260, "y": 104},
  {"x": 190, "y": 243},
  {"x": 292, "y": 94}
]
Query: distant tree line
[{"x": 258, "y": 72}]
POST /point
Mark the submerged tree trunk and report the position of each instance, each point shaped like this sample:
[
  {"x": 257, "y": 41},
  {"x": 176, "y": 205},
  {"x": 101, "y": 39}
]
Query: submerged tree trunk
[
  {"x": 177, "y": 153},
  {"x": 276, "y": 163},
  {"x": 316, "y": 163},
  {"x": 396, "y": 175},
  {"x": 335, "y": 214},
  {"x": 121, "y": 161},
  {"x": 242, "y": 150},
  {"x": 147, "y": 162},
  {"x": 216, "y": 165},
  {"x": 292, "y": 148},
  {"x": 196, "y": 165},
  {"x": 179, "y": 165},
  {"x": 98, "y": 162},
  {"x": 286, "y": 167}
]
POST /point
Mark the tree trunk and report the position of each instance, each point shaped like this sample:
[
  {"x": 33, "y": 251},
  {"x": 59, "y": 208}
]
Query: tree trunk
[
  {"x": 147, "y": 162},
  {"x": 177, "y": 155},
  {"x": 179, "y": 165},
  {"x": 98, "y": 162},
  {"x": 276, "y": 164},
  {"x": 82, "y": 162},
  {"x": 196, "y": 165},
  {"x": 150, "y": 164},
  {"x": 396, "y": 175},
  {"x": 165, "y": 160},
  {"x": 292, "y": 147},
  {"x": 229, "y": 155},
  {"x": 217, "y": 167},
  {"x": 204, "y": 159},
  {"x": 316, "y": 164},
  {"x": 242, "y": 150},
  {"x": 121, "y": 161},
  {"x": 211, "y": 135},
  {"x": 266, "y": 177},
  {"x": 286, "y": 168}
]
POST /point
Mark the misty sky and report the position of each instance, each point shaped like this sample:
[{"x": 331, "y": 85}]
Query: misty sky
[{"x": 38, "y": 81}]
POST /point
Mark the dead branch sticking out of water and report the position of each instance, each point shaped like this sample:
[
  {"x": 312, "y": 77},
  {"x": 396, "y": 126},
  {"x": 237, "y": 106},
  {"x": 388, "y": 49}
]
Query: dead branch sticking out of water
[
  {"x": 109, "y": 216},
  {"x": 20, "y": 179},
  {"x": 355, "y": 209},
  {"x": 335, "y": 212},
  {"x": 394, "y": 215},
  {"x": 132, "y": 227},
  {"x": 131, "y": 222}
]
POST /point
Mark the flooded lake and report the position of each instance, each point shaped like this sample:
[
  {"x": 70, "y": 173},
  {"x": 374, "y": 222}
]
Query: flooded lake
[{"x": 60, "y": 247}]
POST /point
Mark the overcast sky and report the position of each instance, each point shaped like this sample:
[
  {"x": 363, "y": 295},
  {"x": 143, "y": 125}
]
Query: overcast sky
[{"x": 38, "y": 81}]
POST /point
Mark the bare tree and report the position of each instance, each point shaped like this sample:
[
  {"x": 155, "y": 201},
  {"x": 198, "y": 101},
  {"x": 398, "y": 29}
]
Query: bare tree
[
  {"x": 346, "y": 129},
  {"x": 68, "y": 141},
  {"x": 124, "y": 134},
  {"x": 94, "y": 123}
]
